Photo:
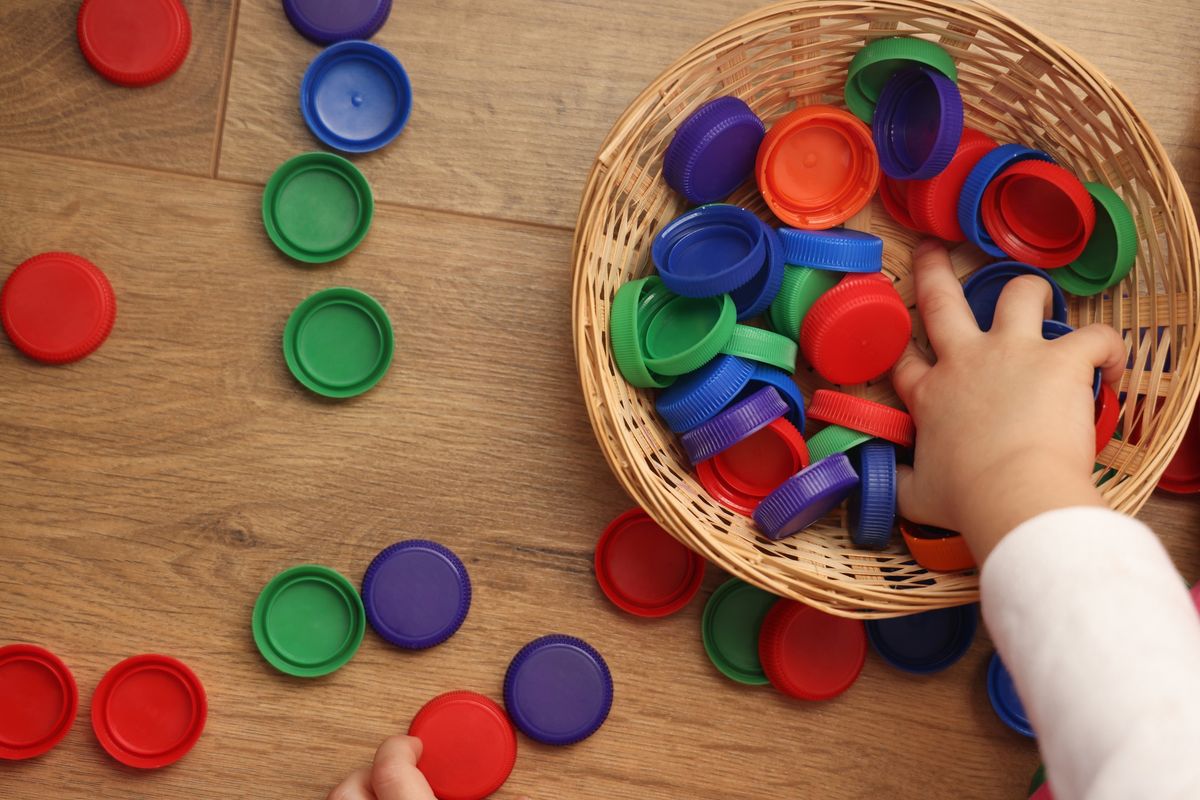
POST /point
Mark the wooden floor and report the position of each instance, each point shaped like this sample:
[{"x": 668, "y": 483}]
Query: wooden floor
[{"x": 148, "y": 492}]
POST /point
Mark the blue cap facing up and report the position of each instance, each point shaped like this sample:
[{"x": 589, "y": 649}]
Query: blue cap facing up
[
  {"x": 329, "y": 21},
  {"x": 416, "y": 594},
  {"x": 1005, "y": 701},
  {"x": 925, "y": 643},
  {"x": 355, "y": 97},
  {"x": 558, "y": 690}
]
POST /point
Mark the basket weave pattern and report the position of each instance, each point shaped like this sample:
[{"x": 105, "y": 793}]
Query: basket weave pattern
[{"x": 1017, "y": 86}]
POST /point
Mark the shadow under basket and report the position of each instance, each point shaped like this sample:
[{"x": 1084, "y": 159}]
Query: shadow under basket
[{"x": 1017, "y": 86}]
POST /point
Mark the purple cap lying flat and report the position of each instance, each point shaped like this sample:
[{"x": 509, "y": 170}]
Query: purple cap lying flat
[
  {"x": 734, "y": 424},
  {"x": 329, "y": 21},
  {"x": 713, "y": 150},
  {"x": 558, "y": 690},
  {"x": 918, "y": 124},
  {"x": 806, "y": 497},
  {"x": 416, "y": 594}
]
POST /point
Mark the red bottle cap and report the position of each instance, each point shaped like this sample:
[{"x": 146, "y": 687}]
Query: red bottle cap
[
  {"x": 149, "y": 711},
  {"x": 643, "y": 569},
  {"x": 57, "y": 307},
  {"x": 38, "y": 701},
  {"x": 947, "y": 552},
  {"x": 861, "y": 414},
  {"x": 740, "y": 477},
  {"x": 1039, "y": 213},
  {"x": 1182, "y": 475},
  {"x": 934, "y": 202},
  {"x": 470, "y": 745},
  {"x": 894, "y": 195},
  {"x": 856, "y": 331},
  {"x": 817, "y": 167},
  {"x": 1108, "y": 414},
  {"x": 809, "y": 654},
  {"x": 134, "y": 42}
]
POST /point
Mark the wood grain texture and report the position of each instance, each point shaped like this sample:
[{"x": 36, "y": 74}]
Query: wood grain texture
[
  {"x": 149, "y": 491},
  {"x": 54, "y": 102}
]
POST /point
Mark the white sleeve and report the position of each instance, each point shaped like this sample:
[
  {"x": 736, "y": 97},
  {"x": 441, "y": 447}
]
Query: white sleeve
[{"x": 1103, "y": 642}]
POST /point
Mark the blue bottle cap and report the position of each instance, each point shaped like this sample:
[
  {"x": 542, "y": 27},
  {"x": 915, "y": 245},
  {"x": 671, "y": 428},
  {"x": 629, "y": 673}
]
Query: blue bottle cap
[
  {"x": 1005, "y": 701},
  {"x": 558, "y": 690},
  {"x": 355, "y": 97},
  {"x": 918, "y": 123},
  {"x": 873, "y": 505},
  {"x": 806, "y": 497},
  {"x": 983, "y": 290},
  {"x": 698, "y": 396},
  {"x": 757, "y": 294},
  {"x": 416, "y": 594},
  {"x": 329, "y": 21},
  {"x": 713, "y": 150},
  {"x": 766, "y": 375},
  {"x": 1053, "y": 329},
  {"x": 836, "y": 249},
  {"x": 925, "y": 643},
  {"x": 735, "y": 423},
  {"x": 971, "y": 199}
]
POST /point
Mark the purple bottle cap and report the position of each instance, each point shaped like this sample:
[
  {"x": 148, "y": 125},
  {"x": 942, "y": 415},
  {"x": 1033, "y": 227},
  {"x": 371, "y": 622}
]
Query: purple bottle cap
[
  {"x": 918, "y": 124},
  {"x": 713, "y": 150},
  {"x": 329, "y": 21},
  {"x": 416, "y": 594},
  {"x": 734, "y": 424},
  {"x": 558, "y": 690},
  {"x": 806, "y": 497}
]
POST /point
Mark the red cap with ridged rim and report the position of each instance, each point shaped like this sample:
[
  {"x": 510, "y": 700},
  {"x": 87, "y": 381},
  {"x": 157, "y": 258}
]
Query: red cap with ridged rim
[
  {"x": 933, "y": 202},
  {"x": 809, "y": 654},
  {"x": 861, "y": 414},
  {"x": 57, "y": 307},
  {"x": 149, "y": 710},
  {"x": 857, "y": 330},
  {"x": 470, "y": 746},
  {"x": 134, "y": 42},
  {"x": 893, "y": 194},
  {"x": 643, "y": 569},
  {"x": 1039, "y": 213},
  {"x": 38, "y": 701}
]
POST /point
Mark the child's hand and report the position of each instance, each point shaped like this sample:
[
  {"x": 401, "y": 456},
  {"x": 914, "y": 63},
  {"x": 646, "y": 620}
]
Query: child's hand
[
  {"x": 1004, "y": 419},
  {"x": 393, "y": 776}
]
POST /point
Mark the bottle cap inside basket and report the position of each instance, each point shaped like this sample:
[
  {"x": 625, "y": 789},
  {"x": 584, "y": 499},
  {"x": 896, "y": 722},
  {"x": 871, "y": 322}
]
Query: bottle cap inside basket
[
  {"x": 688, "y": 332},
  {"x": 1108, "y": 417},
  {"x": 894, "y": 196},
  {"x": 470, "y": 746},
  {"x": 356, "y": 97},
  {"x": 984, "y": 287},
  {"x": 38, "y": 701},
  {"x": 809, "y": 654},
  {"x": 800, "y": 289},
  {"x": 933, "y": 203},
  {"x": 872, "y": 506},
  {"x": 734, "y": 424},
  {"x": 416, "y": 593},
  {"x": 713, "y": 150},
  {"x": 1038, "y": 213},
  {"x": 806, "y": 497},
  {"x": 643, "y": 569},
  {"x": 57, "y": 307},
  {"x": 558, "y": 690},
  {"x": 970, "y": 199},
  {"x": 329, "y": 21},
  {"x": 1003, "y": 694},
  {"x": 917, "y": 124},
  {"x": 839, "y": 249},
  {"x": 861, "y": 414},
  {"x": 308, "y": 621},
  {"x": 149, "y": 711},
  {"x": 936, "y": 549},
  {"x": 856, "y": 331},
  {"x": 134, "y": 42},
  {"x": 927, "y": 642},
  {"x": 1113, "y": 246},
  {"x": 817, "y": 167},
  {"x": 875, "y": 63},
  {"x": 729, "y": 629},
  {"x": 700, "y": 395},
  {"x": 740, "y": 477}
]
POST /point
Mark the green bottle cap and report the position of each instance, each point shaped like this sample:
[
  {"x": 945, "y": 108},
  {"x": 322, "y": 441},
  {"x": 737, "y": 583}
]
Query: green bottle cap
[
  {"x": 338, "y": 342},
  {"x": 308, "y": 621},
  {"x": 1072, "y": 282},
  {"x": 729, "y": 628},
  {"x": 764, "y": 346},
  {"x": 633, "y": 306},
  {"x": 688, "y": 332},
  {"x": 835, "y": 439},
  {"x": 317, "y": 207},
  {"x": 1113, "y": 246},
  {"x": 1039, "y": 777},
  {"x": 801, "y": 287},
  {"x": 875, "y": 63}
]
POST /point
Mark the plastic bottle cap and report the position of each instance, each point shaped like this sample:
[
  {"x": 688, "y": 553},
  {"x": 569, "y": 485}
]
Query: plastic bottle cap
[
  {"x": 710, "y": 250},
  {"x": 1113, "y": 246},
  {"x": 317, "y": 207},
  {"x": 729, "y": 629},
  {"x": 894, "y": 196},
  {"x": 874, "y": 64},
  {"x": 983, "y": 290},
  {"x": 149, "y": 711},
  {"x": 470, "y": 746},
  {"x": 329, "y": 21},
  {"x": 817, "y": 167},
  {"x": 1039, "y": 778},
  {"x": 806, "y": 497},
  {"x": 861, "y": 414},
  {"x": 134, "y": 42},
  {"x": 840, "y": 249},
  {"x": 740, "y": 477},
  {"x": 308, "y": 621},
  {"x": 338, "y": 342},
  {"x": 1038, "y": 213},
  {"x": 835, "y": 439},
  {"x": 633, "y": 306},
  {"x": 1043, "y": 792},
  {"x": 936, "y": 549},
  {"x": 808, "y": 654},
  {"x": 355, "y": 97},
  {"x": 700, "y": 395},
  {"x": 925, "y": 643},
  {"x": 1182, "y": 475},
  {"x": 734, "y": 424},
  {"x": 1005, "y": 701},
  {"x": 713, "y": 150},
  {"x": 643, "y": 569},
  {"x": 1053, "y": 329},
  {"x": 558, "y": 690},
  {"x": 1108, "y": 416},
  {"x": 416, "y": 594},
  {"x": 800, "y": 288},
  {"x": 872, "y": 512},
  {"x": 687, "y": 333},
  {"x": 57, "y": 307},
  {"x": 767, "y": 347},
  {"x": 970, "y": 199},
  {"x": 918, "y": 124},
  {"x": 856, "y": 331},
  {"x": 783, "y": 383},
  {"x": 756, "y": 295},
  {"x": 38, "y": 701},
  {"x": 933, "y": 203}
]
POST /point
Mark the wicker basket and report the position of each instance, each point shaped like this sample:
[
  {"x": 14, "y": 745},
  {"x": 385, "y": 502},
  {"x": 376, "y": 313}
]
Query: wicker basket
[{"x": 1017, "y": 86}]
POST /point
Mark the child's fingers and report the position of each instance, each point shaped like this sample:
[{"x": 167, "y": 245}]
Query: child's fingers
[
  {"x": 1102, "y": 347},
  {"x": 1023, "y": 304},
  {"x": 908, "y": 371},
  {"x": 948, "y": 318},
  {"x": 356, "y": 787},
  {"x": 394, "y": 775},
  {"x": 905, "y": 488}
]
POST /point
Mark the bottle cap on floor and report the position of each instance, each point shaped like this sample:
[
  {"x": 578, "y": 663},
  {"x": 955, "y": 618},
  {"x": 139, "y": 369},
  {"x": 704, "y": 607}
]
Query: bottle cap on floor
[
  {"x": 356, "y": 97},
  {"x": 38, "y": 701},
  {"x": 57, "y": 308},
  {"x": 808, "y": 654},
  {"x": 134, "y": 42},
  {"x": 308, "y": 621},
  {"x": 338, "y": 342},
  {"x": 925, "y": 643},
  {"x": 469, "y": 745},
  {"x": 416, "y": 594},
  {"x": 317, "y": 207},
  {"x": 329, "y": 21},
  {"x": 644, "y": 570},
  {"x": 1003, "y": 694},
  {"x": 558, "y": 690},
  {"x": 149, "y": 711},
  {"x": 729, "y": 629}
]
